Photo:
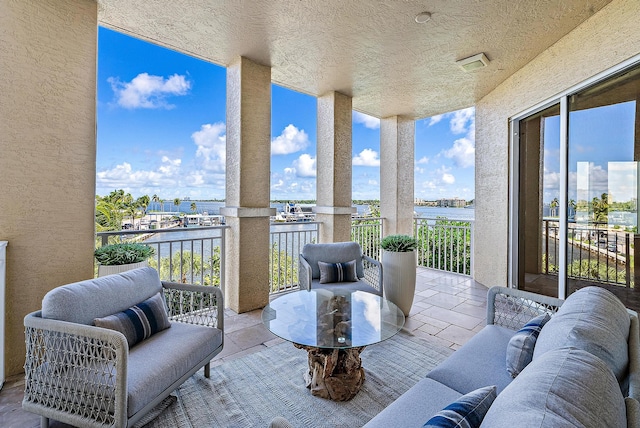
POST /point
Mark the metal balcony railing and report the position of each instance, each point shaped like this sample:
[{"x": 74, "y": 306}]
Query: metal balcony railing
[
  {"x": 197, "y": 255},
  {"x": 445, "y": 244},
  {"x": 593, "y": 253},
  {"x": 188, "y": 255},
  {"x": 287, "y": 240}
]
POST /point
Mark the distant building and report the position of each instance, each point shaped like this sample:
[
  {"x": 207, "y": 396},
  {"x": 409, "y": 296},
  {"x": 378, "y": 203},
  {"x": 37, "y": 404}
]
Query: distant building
[{"x": 453, "y": 203}]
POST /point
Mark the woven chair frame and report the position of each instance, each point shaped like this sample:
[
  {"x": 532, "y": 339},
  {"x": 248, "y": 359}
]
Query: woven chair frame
[{"x": 77, "y": 373}]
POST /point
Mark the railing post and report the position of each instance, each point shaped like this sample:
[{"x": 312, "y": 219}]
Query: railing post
[
  {"x": 546, "y": 243},
  {"x": 627, "y": 248},
  {"x": 472, "y": 223}
]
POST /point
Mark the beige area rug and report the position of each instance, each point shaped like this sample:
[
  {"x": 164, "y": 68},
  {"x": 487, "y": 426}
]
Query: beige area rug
[{"x": 252, "y": 390}]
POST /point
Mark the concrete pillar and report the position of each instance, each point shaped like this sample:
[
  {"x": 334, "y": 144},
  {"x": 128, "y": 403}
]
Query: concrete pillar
[
  {"x": 247, "y": 192},
  {"x": 334, "y": 202},
  {"x": 397, "y": 135},
  {"x": 47, "y": 153}
]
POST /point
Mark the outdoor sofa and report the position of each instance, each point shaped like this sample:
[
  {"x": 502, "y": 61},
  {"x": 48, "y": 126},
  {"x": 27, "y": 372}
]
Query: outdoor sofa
[
  {"x": 584, "y": 369},
  {"x": 91, "y": 376},
  {"x": 368, "y": 271}
]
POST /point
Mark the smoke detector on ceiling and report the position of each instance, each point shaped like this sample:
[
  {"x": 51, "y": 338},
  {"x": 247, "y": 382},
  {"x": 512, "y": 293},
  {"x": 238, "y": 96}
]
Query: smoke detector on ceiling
[{"x": 473, "y": 62}]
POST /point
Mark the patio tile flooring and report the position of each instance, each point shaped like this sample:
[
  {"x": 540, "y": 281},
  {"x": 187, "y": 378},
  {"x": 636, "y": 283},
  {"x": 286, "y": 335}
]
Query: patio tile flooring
[{"x": 448, "y": 309}]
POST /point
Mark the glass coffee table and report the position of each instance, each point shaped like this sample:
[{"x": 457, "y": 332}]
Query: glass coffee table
[{"x": 334, "y": 327}]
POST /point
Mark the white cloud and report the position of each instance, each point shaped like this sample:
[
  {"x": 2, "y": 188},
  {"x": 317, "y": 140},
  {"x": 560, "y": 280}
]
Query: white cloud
[
  {"x": 463, "y": 120},
  {"x": 448, "y": 178},
  {"x": 124, "y": 176},
  {"x": 419, "y": 170},
  {"x": 463, "y": 153},
  {"x": 423, "y": 160},
  {"x": 435, "y": 119},
  {"x": 372, "y": 183},
  {"x": 148, "y": 91},
  {"x": 368, "y": 121},
  {"x": 367, "y": 157},
  {"x": 305, "y": 166},
  {"x": 290, "y": 141},
  {"x": 211, "y": 141},
  {"x": 445, "y": 176}
]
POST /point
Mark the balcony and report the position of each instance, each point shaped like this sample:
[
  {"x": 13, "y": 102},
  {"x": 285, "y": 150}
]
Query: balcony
[{"x": 448, "y": 309}]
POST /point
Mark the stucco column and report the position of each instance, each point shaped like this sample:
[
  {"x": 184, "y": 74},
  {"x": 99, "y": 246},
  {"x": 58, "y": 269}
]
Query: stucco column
[
  {"x": 334, "y": 203},
  {"x": 247, "y": 189},
  {"x": 47, "y": 153},
  {"x": 397, "y": 148}
]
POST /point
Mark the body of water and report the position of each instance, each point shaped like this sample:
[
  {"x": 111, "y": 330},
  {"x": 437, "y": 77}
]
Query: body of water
[{"x": 213, "y": 208}]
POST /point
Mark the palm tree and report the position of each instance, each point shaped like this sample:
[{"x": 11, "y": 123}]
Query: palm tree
[
  {"x": 600, "y": 208},
  {"x": 553, "y": 206},
  {"x": 176, "y": 202},
  {"x": 155, "y": 198},
  {"x": 572, "y": 207},
  {"x": 143, "y": 202},
  {"x": 194, "y": 208}
]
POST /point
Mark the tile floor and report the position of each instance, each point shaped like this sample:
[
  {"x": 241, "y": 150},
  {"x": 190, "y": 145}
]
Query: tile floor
[{"x": 450, "y": 308}]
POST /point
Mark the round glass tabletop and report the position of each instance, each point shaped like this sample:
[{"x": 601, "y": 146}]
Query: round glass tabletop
[{"x": 332, "y": 319}]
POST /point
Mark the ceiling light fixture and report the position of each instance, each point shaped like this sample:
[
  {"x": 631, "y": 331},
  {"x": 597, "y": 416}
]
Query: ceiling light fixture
[
  {"x": 423, "y": 17},
  {"x": 473, "y": 62}
]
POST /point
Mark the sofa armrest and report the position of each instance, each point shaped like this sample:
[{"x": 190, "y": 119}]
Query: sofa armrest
[
  {"x": 304, "y": 273},
  {"x": 194, "y": 304},
  {"x": 511, "y": 308},
  {"x": 75, "y": 373},
  {"x": 372, "y": 272},
  {"x": 634, "y": 356}
]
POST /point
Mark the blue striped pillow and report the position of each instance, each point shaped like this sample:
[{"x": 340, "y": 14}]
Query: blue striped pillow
[
  {"x": 337, "y": 272},
  {"x": 138, "y": 322},
  {"x": 521, "y": 345},
  {"x": 466, "y": 412}
]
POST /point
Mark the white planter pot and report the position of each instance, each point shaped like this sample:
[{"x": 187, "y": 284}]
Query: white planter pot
[
  {"x": 399, "y": 278},
  {"x": 109, "y": 270}
]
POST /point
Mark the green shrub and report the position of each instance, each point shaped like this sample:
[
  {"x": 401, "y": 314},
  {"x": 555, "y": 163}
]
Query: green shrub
[
  {"x": 122, "y": 254},
  {"x": 399, "y": 243}
]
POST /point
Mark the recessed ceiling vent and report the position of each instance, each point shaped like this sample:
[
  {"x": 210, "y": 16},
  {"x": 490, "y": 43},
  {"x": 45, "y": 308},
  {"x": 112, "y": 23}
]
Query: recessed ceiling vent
[{"x": 473, "y": 62}]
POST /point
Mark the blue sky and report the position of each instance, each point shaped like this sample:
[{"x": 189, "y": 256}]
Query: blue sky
[
  {"x": 161, "y": 130},
  {"x": 600, "y": 154}
]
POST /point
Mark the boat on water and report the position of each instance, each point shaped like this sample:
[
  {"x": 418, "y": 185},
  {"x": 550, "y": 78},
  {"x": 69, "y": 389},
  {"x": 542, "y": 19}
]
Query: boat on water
[{"x": 295, "y": 212}]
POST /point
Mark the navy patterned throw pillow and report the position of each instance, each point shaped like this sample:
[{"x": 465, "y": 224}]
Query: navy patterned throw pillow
[
  {"x": 138, "y": 322},
  {"x": 521, "y": 345},
  {"x": 467, "y": 411},
  {"x": 337, "y": 272}
]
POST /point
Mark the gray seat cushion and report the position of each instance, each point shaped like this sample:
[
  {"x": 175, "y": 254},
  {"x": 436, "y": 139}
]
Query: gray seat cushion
[
  {"x": 566, "y": 387},
  {"x": 336, "y": 252},
  {"x": 346, "y": 286},
  {"x": 592, "y": 319},
  {"x": 152, "y": 369},
  {"x": 479, "y": 363},
  {"x": 416, "y": 406},
  {"x": 81, "y": 302}
]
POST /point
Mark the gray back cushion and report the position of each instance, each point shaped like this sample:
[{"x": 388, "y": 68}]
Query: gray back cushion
[
  {"x": 336, "y": 252},
  {"x": 565, "y": 387},
  {"x": 83, "y": 301},
  {"x": 592, "y": 319}
]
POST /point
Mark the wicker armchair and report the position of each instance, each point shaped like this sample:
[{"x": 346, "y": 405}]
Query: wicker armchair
[
  {"x": 368, "y": 270},
  {"x": 87, "y": 376}
]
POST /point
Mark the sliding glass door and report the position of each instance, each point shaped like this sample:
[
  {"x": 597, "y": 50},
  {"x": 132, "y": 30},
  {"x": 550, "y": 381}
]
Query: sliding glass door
[{"x": 577, "y": 193}]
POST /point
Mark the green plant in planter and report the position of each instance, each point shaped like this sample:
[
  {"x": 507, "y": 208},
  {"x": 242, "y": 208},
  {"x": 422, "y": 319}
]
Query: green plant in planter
[
  {"x": 399, "y": 243},
  {"x": 122, "y": 254}
]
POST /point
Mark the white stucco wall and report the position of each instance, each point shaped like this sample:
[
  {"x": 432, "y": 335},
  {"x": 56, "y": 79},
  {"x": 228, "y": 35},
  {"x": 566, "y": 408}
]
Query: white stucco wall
[
  {"x": 47, "y": 152},
  {"x": 609, "y": 37}
]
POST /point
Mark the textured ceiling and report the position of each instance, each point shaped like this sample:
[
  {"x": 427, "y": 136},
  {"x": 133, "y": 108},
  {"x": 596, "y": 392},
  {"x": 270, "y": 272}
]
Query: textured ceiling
[{"x": 371, "y": 50}]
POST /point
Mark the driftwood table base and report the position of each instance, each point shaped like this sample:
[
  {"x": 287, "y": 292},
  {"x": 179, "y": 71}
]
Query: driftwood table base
[{"x": 334, "y": 374}]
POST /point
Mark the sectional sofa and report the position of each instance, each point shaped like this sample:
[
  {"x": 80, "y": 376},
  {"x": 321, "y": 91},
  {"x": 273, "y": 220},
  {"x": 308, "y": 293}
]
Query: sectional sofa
[{"x": 583, "y": 372}]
